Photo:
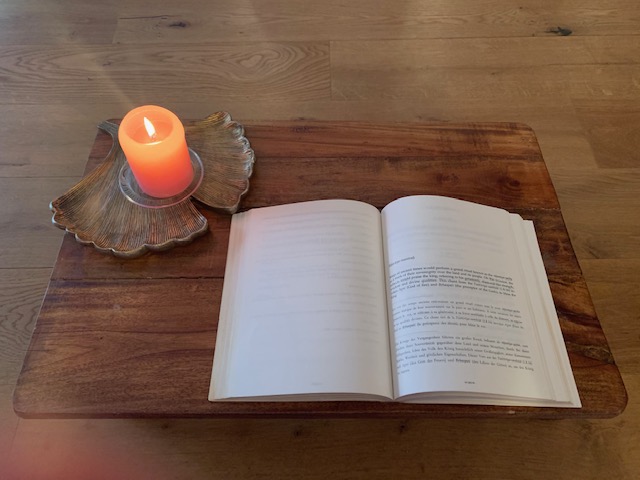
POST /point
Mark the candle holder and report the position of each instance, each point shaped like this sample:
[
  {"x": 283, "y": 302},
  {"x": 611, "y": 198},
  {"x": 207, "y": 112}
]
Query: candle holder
[
  {"x": 132, "y": 191},
  {"x": 108, "y": 211}
]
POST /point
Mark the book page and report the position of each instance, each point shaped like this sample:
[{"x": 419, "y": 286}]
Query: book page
[
  {"x": 304, "y": 305},
  {"x": 461, "y": 317},
  {"x": 554, "y": 351}
]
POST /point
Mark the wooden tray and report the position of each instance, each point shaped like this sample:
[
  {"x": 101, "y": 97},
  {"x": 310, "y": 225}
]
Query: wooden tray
[{"x": 135, "y": 338}]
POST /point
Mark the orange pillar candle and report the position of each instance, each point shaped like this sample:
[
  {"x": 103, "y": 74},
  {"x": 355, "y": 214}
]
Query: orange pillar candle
[{"x": 152, "y": 139}]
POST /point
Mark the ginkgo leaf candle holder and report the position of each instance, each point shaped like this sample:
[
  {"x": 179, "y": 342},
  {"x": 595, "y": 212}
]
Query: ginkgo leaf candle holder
[{"x": 105, "y": 209}]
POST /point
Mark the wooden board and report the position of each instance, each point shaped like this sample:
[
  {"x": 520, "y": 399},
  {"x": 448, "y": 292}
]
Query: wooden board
[{"x": 135, "y": 338}]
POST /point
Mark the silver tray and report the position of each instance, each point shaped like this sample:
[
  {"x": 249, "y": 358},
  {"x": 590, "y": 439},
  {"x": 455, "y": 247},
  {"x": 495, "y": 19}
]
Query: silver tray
[{"x": 97, "y": 212}]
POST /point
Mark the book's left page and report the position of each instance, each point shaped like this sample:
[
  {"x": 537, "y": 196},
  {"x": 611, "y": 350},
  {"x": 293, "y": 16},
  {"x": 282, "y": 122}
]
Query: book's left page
[{"x": 303, "y": 313}]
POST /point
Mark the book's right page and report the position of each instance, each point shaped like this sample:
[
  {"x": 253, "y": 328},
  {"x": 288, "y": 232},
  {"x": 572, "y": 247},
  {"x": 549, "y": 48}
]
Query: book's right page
[{"x": 471, "y": 316}]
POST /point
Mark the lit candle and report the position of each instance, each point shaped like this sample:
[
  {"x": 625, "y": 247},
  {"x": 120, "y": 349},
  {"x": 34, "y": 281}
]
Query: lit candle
[{"x": 152, "y": 139}]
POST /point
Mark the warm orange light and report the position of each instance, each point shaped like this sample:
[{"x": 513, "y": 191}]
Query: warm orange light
[
  {"x": 152, "y": 139},
  {"x": 151, "y": 131}
]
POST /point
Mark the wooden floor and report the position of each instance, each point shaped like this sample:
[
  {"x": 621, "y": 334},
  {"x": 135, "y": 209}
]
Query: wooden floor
[{"x": 570, "y": 69}]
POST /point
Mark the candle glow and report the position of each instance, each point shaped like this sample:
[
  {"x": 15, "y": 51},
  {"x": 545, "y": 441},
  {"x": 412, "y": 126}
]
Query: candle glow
[
  {"x": 153, "y": 140},
  {"x": 151, "y": 131}
]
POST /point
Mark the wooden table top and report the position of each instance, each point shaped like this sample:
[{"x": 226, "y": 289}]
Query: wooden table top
[{"x": 135, "y": 338}]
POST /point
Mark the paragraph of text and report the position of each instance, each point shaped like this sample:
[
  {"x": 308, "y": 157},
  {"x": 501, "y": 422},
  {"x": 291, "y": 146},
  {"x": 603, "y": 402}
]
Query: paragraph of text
[
  {"x": 450, "y": 277},
  {"x": 476, "y": 350},
  {"x": 427, "y": 314}
]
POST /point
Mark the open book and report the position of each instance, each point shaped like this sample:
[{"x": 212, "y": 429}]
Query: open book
[{"x": 432, "y": 300}]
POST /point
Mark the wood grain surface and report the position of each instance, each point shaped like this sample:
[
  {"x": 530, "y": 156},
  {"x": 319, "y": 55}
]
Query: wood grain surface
[
  {"x": 135, "y": 338},
  {"x": 568, "y": 69}
]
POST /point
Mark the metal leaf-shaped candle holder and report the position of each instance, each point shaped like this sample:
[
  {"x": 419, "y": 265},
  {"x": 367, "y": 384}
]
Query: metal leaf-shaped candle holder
[{"x": 97, "y": 212}]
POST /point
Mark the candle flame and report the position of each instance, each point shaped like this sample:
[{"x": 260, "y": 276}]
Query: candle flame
[{"x": 151, "y": 130}]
